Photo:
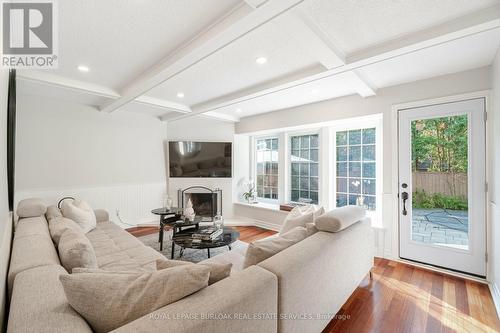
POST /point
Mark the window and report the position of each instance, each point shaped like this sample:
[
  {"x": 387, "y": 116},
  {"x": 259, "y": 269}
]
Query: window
[
  {"x": 304, "y": 168},
  {"x": 356, "y": 168},
  {"x": 267, "y": 168}
]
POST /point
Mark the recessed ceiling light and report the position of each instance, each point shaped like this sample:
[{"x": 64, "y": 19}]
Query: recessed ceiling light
[
  {"x": 83, "y": 68},
  {"x": 180, "y": 95},
  {"x": 261, "y": 60},
  {"x": 238, "y": 110}
]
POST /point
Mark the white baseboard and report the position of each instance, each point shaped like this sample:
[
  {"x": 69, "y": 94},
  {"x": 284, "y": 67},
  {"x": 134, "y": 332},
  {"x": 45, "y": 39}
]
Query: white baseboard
[
  {"x": 267, "y": 225},
  {"x": 495, "y": 294}
]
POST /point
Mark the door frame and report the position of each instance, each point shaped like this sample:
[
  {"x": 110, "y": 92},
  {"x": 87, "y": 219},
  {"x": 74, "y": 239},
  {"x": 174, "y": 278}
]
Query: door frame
[{"x": 395, "y": 108}]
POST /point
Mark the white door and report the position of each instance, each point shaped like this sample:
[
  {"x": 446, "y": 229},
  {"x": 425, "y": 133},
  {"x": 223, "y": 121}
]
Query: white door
[{"x": 442, "y": 185}]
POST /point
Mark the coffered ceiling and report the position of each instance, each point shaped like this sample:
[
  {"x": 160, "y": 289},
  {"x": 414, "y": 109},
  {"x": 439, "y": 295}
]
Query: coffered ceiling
[{"x": 228, "y": 59}]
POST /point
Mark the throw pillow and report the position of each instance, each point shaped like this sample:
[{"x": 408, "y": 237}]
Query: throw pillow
[
  {"x": 218, "y": 271},
  {"x": 75, "y": 250},
  {"x": 32, "y": 207},
  {"x": 110, "y": 300},
  {"x": 80, "y": 212},
  {"x": 340, "y": 218},
  {"x": 58, "y": 225},
  {"x": 52, "y": 212},
  {"x": 261, "y": 250},
  {"x": 299, "y": 216}
]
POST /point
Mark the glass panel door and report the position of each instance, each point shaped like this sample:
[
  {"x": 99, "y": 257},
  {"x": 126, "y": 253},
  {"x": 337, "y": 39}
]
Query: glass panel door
[{"x": 442, "y": 179}]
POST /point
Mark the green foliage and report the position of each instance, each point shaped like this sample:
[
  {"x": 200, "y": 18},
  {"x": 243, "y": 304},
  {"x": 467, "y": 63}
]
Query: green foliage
[
  {"x": 440, "y": 144},
  {"x": 437, "y": 200}
]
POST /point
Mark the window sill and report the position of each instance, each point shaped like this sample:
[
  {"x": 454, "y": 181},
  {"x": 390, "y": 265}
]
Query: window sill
[{"x": 262, "y": 205}]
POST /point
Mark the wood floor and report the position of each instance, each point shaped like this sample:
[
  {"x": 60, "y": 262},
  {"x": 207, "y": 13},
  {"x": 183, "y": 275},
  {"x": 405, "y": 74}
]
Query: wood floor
[
  {"x": 404, "y": 298},
  {"x": 247, "y": 234}
]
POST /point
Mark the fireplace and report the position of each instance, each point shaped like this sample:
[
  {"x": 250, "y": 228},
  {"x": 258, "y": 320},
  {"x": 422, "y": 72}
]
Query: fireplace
[{"x": 206, "y": 202}]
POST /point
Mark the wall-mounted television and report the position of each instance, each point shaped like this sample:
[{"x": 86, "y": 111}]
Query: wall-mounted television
[{"x": 200, "y": 159}]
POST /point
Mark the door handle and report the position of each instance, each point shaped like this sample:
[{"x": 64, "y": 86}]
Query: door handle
[{"x": 404, "y": 196}]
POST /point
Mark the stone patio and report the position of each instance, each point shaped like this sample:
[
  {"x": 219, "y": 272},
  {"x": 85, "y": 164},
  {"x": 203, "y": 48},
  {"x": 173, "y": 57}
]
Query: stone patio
[{"x": 441, "y": 227}]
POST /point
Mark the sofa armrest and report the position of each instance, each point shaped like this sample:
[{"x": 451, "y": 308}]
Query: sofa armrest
[
  {"x": 101, "y": 215},
  {"x": 243, "y": 302},
  {"x": 336, "y": 263}
]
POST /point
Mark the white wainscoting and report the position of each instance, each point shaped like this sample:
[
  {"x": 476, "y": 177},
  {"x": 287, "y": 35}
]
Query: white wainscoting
[{"x": 133, "y": 201}]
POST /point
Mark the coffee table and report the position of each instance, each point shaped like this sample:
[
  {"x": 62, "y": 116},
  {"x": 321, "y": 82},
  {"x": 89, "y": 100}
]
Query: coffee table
[{"x": 184, "y": 239}]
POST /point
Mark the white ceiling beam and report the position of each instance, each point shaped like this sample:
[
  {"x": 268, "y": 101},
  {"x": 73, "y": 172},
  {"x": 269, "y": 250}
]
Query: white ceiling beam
[
  {"x": 164, "y": 104},
  {"x": 173, "y": 108},
  {"x": 481, "y": 21},
  {"x": 222, "y": 34},
  {"x": 210, "y": 114},
  {"x": 302, "y": 28},
  {"x": 364, "y": 87},
  {"x": 65, "y": 83},
  {"x": 255, "y": 3},
  {"x": 319, "y": 44},
  {"x": 241, "y": 95}
]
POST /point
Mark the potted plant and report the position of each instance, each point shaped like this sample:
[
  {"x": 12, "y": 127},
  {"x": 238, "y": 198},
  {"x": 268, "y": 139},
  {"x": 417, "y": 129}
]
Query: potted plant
[{"x": 250, "y": 193}]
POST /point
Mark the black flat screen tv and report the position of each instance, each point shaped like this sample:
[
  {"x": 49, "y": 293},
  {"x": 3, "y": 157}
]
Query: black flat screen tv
[{"x": 189, "y": 159}]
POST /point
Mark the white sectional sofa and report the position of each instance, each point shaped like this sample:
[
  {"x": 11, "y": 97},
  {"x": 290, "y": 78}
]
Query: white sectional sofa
[{"x": 296, "y": 290}]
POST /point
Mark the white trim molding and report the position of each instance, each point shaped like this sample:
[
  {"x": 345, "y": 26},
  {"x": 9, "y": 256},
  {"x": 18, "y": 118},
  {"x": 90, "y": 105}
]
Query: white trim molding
[{"x": 495, "y": 294}]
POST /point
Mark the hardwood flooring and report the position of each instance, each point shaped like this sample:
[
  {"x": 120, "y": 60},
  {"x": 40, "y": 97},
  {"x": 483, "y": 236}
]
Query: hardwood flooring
[
  {"x": 247, "y": 234},
  {"x": 404, "y": 298}
]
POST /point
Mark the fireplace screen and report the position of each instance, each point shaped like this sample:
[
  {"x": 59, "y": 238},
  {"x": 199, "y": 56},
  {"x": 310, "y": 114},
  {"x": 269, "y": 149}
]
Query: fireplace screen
[{"x": 206, "y": 202}]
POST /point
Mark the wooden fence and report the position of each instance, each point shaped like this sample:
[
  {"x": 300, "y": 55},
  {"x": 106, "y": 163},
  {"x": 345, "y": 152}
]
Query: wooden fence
[{"x": 454, "y": 184}]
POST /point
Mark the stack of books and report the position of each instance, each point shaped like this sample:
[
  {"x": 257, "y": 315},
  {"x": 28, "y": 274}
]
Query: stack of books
[{"x": 208, "y": 233}]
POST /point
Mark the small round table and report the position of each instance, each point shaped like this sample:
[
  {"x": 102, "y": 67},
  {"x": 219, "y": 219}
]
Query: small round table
[
  {"x": 172, "y": 217},
  {"x": 185, "y": 240}
]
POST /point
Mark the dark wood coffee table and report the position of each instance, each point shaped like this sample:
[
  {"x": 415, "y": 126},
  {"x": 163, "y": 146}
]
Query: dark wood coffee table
[{"x": 184, "y": 239}]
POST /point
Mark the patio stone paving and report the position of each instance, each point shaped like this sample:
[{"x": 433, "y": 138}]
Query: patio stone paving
[{"x": 441, "y": 226}]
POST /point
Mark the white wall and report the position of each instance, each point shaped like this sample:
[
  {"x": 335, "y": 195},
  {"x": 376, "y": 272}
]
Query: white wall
[
  {"x": 115, "y": 161},
  {"x": 204, "y": 129},
  {"x": 355, "y": 106},
  {"x": 5, "y": 216},
  {"x": 494, "y": 202}
]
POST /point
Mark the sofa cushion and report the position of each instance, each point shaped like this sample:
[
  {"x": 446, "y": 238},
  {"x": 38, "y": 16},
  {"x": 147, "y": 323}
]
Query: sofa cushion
[
  {"x": 340, "y": 218},
  {"x": 110, "y": 300},
  {"x": 263, "y": 249},
  {"x": 218, "y": 271},
  {"x": 299, "y": 216},
  {"x": 75, "y": 250},
  {"x": 80, "y": 212},
  {"x": 31, "y": 207},
  {"x": 52, "y": 212},
  {"x": 39, "y": 304},
  {"x": 311, "y": 229},
  {"x": 236, "y": 257},
  {"x": 58, "y": 225},
  {"x": 116, "y": 249},
  {"x": 31, "y": 226},
  {"x": 29, "y": 252}
]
